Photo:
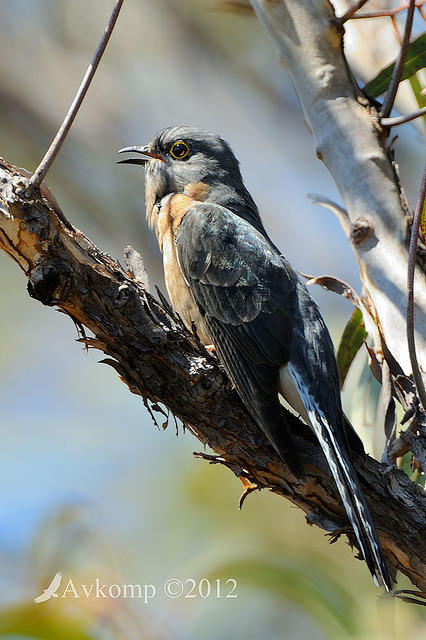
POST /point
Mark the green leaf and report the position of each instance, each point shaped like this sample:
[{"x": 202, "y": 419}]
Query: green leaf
[
  {"x": 416, "y": 87},
  {"x": 352, "y": 338},
  {"x": 416, "y": 60}
]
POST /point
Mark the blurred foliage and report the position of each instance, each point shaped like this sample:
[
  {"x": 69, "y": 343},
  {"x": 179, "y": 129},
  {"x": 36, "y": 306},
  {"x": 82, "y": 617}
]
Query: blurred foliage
[
  {"x": 88, "y": 487},
  {"x": 47, "y": 623},
  {"x": 298, "y": 580}
]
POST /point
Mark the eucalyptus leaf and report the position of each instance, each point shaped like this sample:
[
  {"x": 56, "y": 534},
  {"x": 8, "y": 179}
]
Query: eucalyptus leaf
[
  {"x": 351, "y": 341},
  {"x": 416, "y": 60},
  {"x": 417, "y": 88}
]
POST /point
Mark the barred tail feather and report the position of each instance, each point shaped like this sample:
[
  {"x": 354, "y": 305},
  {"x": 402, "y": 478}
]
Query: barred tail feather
[{"x": 349, "y": 489}]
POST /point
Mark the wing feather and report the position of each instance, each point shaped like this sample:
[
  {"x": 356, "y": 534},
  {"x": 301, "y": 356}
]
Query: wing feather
[
  {"x": 245, "y": 290},
  {"x": 261, "y": 318}
]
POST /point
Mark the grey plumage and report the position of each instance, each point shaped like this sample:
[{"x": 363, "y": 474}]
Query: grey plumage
[
  {"x": 236, "y": 285},
  {"x": 212, "y": 162}
]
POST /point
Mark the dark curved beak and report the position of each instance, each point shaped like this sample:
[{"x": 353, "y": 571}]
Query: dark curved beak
[{"x": 144, "y": 151}]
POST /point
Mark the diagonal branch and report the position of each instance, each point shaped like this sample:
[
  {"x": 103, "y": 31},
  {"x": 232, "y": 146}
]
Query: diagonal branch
[
  {"x": 410, "y": 293},
  {"x": 50, "y": 155},
  {"x": 163, "y": 363},
  {"x": 399, "y": 65},
  {"x": 352, "y": 11},
  {"x": 387, "y": 13}
]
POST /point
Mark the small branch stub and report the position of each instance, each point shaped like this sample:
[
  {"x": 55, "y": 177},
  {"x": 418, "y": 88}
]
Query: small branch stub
[{"x": 360, "y": 230}]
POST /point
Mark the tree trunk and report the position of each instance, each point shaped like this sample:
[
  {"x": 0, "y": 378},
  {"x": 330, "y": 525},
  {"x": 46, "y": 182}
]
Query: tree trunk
[{"x": 352, "y": 145}]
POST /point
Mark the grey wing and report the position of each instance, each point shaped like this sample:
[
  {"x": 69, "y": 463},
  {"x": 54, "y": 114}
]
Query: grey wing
[
  {"x": 312, "y": 356},
  {"x": 245, "y": 290},
  {"x": 261, "y": 318},
  {"x": 314, "y": 368}
]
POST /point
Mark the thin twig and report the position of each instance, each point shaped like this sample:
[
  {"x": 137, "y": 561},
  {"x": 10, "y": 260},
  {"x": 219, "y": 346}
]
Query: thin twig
[
  {"x": 399, "y": 65},
  {"x": 417, "y": 376},
  {"x": 50, "y": 155},
  {"x": 350, "y": 12},
  {"x": 340, "y": 213},
  {"x": 387, "y": 13},
  {"x": 394, "y": 122}
]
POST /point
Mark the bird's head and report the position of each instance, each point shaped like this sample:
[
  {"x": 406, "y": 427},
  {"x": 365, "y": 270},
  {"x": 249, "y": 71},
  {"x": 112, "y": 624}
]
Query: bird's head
[{"x": 197, "y": 163}]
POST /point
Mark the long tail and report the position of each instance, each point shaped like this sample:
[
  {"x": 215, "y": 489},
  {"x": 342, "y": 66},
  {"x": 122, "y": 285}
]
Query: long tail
[{"x": 350, "y": 491}]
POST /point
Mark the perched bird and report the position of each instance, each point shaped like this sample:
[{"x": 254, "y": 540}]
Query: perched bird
[{"x": 224, "y": 274}]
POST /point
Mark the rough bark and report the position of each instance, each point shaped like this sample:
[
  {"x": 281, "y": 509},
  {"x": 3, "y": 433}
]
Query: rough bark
[
  {"x": 163, "y": 363},
  {"x": 352, "y": 145}
]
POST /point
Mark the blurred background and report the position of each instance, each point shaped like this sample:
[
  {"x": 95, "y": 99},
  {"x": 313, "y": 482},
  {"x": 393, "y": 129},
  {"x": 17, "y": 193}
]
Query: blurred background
[{"x": 88, "y": 486}]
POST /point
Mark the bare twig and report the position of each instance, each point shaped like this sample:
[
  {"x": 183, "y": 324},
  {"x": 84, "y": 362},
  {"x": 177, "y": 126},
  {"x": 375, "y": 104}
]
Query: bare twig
[
  {"x": 394, "y": 122},
  {"x": 50, "y": 155},
  {"x": 418, "y": 380},
  {"x": 399, "y": 65},
  {"x": 350, "y": 12},
  {"x": 387, "y": 13},
  {"x": 340, "y": 213},
  {"x": 239, "y": 8}
]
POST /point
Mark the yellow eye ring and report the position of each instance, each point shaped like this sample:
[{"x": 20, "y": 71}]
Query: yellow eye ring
[{"x": 179, "y": 150}]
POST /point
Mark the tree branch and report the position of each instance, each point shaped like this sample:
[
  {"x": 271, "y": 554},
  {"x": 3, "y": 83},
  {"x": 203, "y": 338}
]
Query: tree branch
[
  {"x": 397, "y": 120},
  {"x": 351, "y": 12},
  {"x": 163, "y": 363},
  {"x": 399, "y": 64},
  {"x": 386, "y": 13},
  {"x": 50, "y": 155},
  {"x": 418, "y": 381}
]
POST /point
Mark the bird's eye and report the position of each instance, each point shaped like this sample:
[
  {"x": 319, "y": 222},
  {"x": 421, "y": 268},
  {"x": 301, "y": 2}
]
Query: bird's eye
[{"x": 179, "y": 150}]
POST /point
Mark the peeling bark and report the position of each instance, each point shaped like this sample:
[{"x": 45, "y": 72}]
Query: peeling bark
[{"x": 161, "y": 361}]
